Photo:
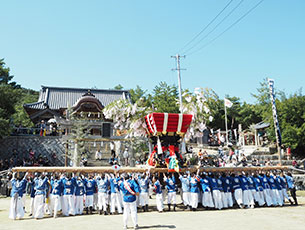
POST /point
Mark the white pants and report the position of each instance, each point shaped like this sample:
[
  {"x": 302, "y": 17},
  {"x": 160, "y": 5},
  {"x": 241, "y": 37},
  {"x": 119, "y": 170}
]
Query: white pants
[
  {"x": 68, "y": 205},
  {"x": 258, "y": 197},
  {"x": 39, "y": 206},
  {"x": 227, "y": 200},
  {"x": 130, "y": 209},
  {"x": 16, "y": 208},
  {"x": 23, "y": 200},
  {"x": 95, "y": 200},
  {"x": 55, "y": 204},
  {"x": 32, "y": 205},
  {"x": 186, "y": 197},
  {"x": 115, "y": 203},
  {"x": 238, "y": 195},
  {"x": 79, "y": 205},
  {"x": 89, "y": 201},
  {"x": 273, "y": 196},
  {"x": 143, "y": 199},
  {"x": 217, "y": 199},
  {"x": 171, "y": 198},
  {"x": 248, "y": 198},
  {"x": 159, "y": 201},
  {"x": 278, "y": 196},
  {"x": 102, "y": 201},
  {"x": 267, "y": 196},
  {"x": 285, "y": 195},
  {"x": 207, "y": 199},
  {"x": 194, "y": 199}
]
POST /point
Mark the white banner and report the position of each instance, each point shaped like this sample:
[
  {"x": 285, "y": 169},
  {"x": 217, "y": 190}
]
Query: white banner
[
  {"x": 228, "y": 103},
  {"x": 275, "y": 119}
]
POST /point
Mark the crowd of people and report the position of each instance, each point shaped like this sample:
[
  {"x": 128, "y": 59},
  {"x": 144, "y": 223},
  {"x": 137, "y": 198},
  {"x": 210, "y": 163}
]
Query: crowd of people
[
  {"x": 77, "y": 194},
  {"x": 28, "y": 159}
]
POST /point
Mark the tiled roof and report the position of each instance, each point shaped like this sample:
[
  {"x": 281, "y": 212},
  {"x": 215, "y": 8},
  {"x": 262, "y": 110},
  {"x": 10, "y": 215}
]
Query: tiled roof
[{"x": 59, "y": 97}]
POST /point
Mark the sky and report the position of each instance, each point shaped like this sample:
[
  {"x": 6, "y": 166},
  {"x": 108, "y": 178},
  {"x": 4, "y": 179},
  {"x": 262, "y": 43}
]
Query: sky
[{"x": 102, "y": 44}]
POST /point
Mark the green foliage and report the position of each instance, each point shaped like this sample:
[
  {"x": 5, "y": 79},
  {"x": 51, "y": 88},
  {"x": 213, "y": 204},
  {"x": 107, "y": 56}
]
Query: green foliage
[
  {"x": 165, "y": 98},
  {"x": 292, "y": 121},
  {"x": 5, "y": 77},
  {"x": 20, "y": 117},
  {"x": 12, "y": 98},
  {"x": 8, "y": 98},
  {"x": 118, "y": 87},
  {"x": 138, "y": 94}
]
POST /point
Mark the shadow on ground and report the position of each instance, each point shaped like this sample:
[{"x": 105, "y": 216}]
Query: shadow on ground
[{"x": 157, "y": 226}]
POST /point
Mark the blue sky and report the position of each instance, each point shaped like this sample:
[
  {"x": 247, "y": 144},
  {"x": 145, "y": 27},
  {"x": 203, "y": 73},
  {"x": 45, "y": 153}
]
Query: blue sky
[{"x": 105, "y": 43}]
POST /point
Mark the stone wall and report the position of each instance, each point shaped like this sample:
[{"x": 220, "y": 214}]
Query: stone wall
[{"x": 41, "y": 145}]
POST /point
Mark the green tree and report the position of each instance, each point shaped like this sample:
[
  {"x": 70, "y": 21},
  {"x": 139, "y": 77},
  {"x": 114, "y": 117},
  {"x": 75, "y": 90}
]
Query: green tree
[
  {"x": 5, "y": 77},
  {"x": 291, "y": 113},
  {"x": 118, "y": 87},
  {"x": 8, "y": 99},
  {"x": 138, "y": 94},
  {"x": 20, "y": 117},
  {"x": 165, "y": 98}
]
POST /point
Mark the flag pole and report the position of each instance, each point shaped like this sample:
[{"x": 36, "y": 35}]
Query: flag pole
[{"x": 226, "y": 121}]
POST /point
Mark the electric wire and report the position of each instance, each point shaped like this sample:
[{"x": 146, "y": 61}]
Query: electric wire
[
  {"x": 215, "y": 27},
  {"x": 228, "y": 28},
  {"x": 196, "y": 36}
]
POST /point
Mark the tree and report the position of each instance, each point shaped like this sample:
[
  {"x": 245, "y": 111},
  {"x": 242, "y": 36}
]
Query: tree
[
  {"x": 8, "y": 99},
  {"x": 5, "y": 77},
  {"x": 292, "y": 121},
  {"x": 165, "y": 98},
  {"x": 138, "y": 94},
  {"x": 20, "y": 117},
  {"x": 118, "y": 87}
]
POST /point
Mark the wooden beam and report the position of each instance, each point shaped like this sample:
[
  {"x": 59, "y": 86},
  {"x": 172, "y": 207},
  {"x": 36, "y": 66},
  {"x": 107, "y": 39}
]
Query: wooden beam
[{"x": 141, "y": 170}]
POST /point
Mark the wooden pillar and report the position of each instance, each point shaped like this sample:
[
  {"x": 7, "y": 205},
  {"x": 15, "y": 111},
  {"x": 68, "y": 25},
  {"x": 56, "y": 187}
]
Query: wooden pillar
[{"x": 66, "y": 153}]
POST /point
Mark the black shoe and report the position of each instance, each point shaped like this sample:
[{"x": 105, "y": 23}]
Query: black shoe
[
  {"x": 105, "y": 213},
  {"x": 143, "y": 208},
  {"x": 174, "y": 208},
  {"x": 90, "y": 210},
  {"x": 169, "y": 207},
  {"x": 87, "y": 211},
  {"x": 146, "y": 208},
  {"x": 291, "y": 202},
  {"x": 100, "y": 212}
]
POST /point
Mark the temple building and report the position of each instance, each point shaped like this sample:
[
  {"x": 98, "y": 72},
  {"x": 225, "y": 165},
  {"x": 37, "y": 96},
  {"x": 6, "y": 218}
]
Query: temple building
[{"x": 59, "y": 103}]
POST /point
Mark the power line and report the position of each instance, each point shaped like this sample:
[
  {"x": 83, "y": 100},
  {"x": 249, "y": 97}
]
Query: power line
[
  {"x": 196, "y": 36},
  {"x": 228, "y": 28},
  {"x": 215, "y": 27}
]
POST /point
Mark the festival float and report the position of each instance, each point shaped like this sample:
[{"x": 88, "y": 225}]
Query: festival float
[{"x": 166, "y": 131}]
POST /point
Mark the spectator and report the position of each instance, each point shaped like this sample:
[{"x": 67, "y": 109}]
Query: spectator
[
  {"x": 294, "y": 163},
  {"x": 54, "y": 157},
  {"x": 288, "y": 151},
  {"x": 98, "y": 155},
  {"x": 42, "y": 128},
  {"x": 126, "y": 157},
  {"x": 31, "y": 154}
]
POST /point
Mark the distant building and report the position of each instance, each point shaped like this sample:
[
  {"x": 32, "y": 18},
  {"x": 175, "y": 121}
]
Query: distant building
[{"x": 57, "y": 102}]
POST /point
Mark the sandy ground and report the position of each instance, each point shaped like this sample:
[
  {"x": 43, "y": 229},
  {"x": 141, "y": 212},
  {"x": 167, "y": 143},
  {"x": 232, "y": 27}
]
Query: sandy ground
[{"x": 287, "y": 217}]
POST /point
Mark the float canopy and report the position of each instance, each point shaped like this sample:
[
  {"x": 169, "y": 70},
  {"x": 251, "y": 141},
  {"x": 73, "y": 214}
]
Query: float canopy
[{"x": 168, "y": 123}]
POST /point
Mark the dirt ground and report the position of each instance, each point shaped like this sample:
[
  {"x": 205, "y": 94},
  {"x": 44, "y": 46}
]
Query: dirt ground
[{"x": 287, "y": 217}]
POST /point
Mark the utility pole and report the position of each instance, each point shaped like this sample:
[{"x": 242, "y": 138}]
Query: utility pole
[{"x": 177, "y": 57}]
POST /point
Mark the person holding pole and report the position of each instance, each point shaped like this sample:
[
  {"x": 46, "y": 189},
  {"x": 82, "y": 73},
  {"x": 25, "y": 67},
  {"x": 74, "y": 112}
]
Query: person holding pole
[
  {"x": 130, "y": 190},
  {"x": 16, "y": 208}
]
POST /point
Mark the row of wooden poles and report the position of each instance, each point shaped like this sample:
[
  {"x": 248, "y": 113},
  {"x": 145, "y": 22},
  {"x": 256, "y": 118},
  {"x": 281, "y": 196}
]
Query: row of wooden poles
[{"x": 141, "y": 170}]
